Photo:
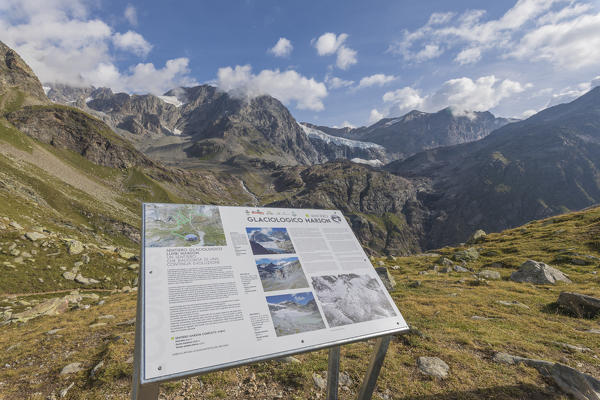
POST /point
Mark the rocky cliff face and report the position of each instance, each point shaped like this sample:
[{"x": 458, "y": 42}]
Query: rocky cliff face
[
  {"x": 220, "y": 126},
  {"x": 383, "y": 209},
  {"x": 18, "y": 84}
]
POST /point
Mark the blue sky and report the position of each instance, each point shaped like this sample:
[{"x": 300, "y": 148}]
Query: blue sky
[
  {"x": 299, "y": 298},
  {"x": 331, "y": 63}
]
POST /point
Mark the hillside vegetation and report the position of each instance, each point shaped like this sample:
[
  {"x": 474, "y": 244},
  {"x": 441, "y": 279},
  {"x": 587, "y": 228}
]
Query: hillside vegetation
[{"x": 456, "y": 316}]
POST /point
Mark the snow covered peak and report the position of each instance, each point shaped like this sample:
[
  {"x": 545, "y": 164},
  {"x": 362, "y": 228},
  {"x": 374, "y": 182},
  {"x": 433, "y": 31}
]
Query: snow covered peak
[{"x": 373, "y": 163}]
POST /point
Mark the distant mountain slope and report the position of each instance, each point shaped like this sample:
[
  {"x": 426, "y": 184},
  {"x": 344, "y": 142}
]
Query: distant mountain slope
[
  {"x": 545, "y": 165},
  {"x": 417, "y": 131}
]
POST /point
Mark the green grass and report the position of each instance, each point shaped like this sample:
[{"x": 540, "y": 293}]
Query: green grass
[{"x": 14, "y": 137}]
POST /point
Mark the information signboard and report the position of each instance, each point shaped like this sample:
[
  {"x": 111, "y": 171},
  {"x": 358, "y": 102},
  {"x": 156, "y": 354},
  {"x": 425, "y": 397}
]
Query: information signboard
[{"x": 225, "y": 286}]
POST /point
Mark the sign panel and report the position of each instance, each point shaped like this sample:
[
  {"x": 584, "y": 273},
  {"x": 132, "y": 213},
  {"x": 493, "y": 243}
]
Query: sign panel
[{"x": 225, "y": 286}]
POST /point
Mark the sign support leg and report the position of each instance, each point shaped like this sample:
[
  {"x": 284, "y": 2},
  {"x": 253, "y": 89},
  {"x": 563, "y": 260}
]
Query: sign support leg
[
  {"x": 146, "y": 392},
  {"x": 333, "y": 373},
  {"x": 368, "y": 385}
]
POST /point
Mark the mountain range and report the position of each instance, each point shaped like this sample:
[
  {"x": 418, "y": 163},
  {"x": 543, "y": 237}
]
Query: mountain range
[{"x": 86, "y": 157}]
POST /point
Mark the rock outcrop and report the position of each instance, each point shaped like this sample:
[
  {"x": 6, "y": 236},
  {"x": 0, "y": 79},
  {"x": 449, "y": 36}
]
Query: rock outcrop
[{"x": 538, "y": 273}]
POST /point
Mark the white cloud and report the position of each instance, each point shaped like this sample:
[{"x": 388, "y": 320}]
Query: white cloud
[
  {"x": 405, "y": 99},
  {"x": 560, "y": 32},
  {"x": 287, "y": 86},
  {"x": 61, "y": 42},
  {"x": 330, "y": 43},
  {"x": 375, "y": 116},
  {"x": 131, "y": 15},
  {"x": 333, "y": 82},
  {"x": 528, "y": 113},
  {"x": 133, "y": 42},
  {"x": 345, "y": 124},
  {"x": 468, "y": 56},
  {"x": 461, "y": 94},
  {"x": 283, "y": 48},
  {"x": 571, "y": 44},
  {"x": 375, "y": 80}
]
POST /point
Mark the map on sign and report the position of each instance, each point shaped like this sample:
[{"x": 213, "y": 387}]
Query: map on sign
[
  {"x": 226, "y": 286},
  {"x": 180, "y": 225}
]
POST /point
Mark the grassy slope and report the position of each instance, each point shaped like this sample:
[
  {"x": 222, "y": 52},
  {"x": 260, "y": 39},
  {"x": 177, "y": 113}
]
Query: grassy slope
[{"x": 440, "y": 309}]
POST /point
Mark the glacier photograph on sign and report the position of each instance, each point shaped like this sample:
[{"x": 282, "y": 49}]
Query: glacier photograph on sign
[{"x": 226, "y": 286}]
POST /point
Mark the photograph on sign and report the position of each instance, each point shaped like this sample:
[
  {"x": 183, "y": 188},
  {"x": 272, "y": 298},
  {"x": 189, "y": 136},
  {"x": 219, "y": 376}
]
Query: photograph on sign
[
  {"x": 225, "y": 286},
  {"x": 281, "y": 273}
]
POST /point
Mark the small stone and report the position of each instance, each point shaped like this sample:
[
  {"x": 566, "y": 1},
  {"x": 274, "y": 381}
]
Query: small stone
[
  {"x": 470, "y": 254},
  {"x": 127, "y": 255},
  {"x": 415, "y": 284},
  {"x": 287, "y": 360},
  {"x": 459, "y": 268},
  {"x": 388, "y": 280},
  {"x": 33, "y": 236},
  {"x": 98, "y": 325},
  {"x": 68, "y": 275},
  {"x": 133, "y": 267},
  {"x": 75, "y": 247},
  {"x": 433, "y": 366},
  {"x": 126, "y": 289},
  {"x": 96, "y": 369},
  {"x": 85, "y": 259},
  {"x": 72, "y": 368},
  {"x": 81, "y": 279},
  {"x": 319, "y": 382},
  {"x": 477, "y": 237},
  {"x": 513, "y": 303},
  {"x": 573, "y": 348},
  {"x": 78, "y": 264},
  {"x": 107, "y": 316},
  {"x": 490, "y": 275},
  {"x": 63, "y": 393},
  {"x": 16, "y": 225},
  {"x": 345, "y": 379}
]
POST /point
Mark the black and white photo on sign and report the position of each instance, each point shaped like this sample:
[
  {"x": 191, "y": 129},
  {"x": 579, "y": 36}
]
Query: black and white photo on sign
[
  {"x": 351, "y": 298},
  {"x": 281, "y": 273}
]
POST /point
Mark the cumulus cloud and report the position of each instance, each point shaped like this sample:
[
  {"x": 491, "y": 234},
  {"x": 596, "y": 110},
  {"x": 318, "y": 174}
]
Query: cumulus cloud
[
  {"x": 287, "y": 86},
  {"x": 133, "y": 42},
  {"x": 333, "y": 82},
  {"x": 461, "y": 94},
  {"x": 375, "y": 80},
  {"x": 131, "y": 15},
  {"x": 375, "y": 116},
  {"x": 563, "y": 33},
  {"x": 283, "y": 48},
  {"x": 330, "y": 43},
  {"x": 63, "y": 43}
]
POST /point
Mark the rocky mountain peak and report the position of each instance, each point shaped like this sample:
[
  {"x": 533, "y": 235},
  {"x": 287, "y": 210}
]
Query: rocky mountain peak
[{"x": 17, "y": 77}]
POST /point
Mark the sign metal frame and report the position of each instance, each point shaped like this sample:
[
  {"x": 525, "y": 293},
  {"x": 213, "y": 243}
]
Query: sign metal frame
[{"x": 148, "y": 389}]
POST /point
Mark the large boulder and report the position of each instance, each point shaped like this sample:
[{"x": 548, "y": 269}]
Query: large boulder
[
  {"x": 538, "y": 273},
  {"x": 75, "y": 247},
  {"x": 580, "y": 304},
  {"x": 49, "y": 307}
]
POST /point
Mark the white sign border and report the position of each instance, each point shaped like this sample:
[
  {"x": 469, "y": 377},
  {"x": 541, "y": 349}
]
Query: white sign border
[{"x": 140, "y": 335}]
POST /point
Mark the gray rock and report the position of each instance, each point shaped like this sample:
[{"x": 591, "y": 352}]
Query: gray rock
[
  {"x": 580, "y": 304},
  {"x": 82, "y": 279},
  {"x": 459, "y": 268},
  {"x": 16, "y": 225},
  {"x": 95, "y": 370},
  {"x": 319, "y": 382},
  {"x": 513, "y": 303},
  {"x": 490, "y": 275},
  {"x": 579, "y": 385},
  {"x": 63, "y": 393},
  {"x": 445, "y": 270},
  {"x": 72, "y": 368},
  {"x": 388, "y": 280},
  {"x": 75, "y": 247},
  {"x": 477, "y": 237},
  {"x": 434, "y": 268},
  {"x": 33, "y": 236},
  {"x": 445, "y": 262},
  {"x": 572, "y": 347},
  {"x": 345, "y": 379},
  {"x": 433, "y": 366},
  {"x": 538, "y": 273},
  {"x": 415, "y": 284},
  {"x": 288, "y": 360},
  {"x": 470, "y": 254},
  {"x": 569, "y": 380}
]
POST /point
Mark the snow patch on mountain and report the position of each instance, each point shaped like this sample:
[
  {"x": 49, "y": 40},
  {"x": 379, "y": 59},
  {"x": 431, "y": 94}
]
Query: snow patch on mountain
[
  {"x": 318, "y": 134},
  {"x": 373, "y": 163},
  {"x": 171, "y": 100}
]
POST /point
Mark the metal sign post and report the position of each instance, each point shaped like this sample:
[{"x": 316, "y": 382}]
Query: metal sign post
[{"x": 150, "y": 391}]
